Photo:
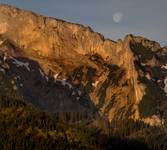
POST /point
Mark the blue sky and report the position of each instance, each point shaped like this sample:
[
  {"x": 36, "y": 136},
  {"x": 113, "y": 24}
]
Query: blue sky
[{"x": 140, "y": 17}]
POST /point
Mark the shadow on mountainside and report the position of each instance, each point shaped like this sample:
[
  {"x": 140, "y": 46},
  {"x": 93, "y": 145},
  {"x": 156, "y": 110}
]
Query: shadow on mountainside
[{"x": 42, "y": 91}]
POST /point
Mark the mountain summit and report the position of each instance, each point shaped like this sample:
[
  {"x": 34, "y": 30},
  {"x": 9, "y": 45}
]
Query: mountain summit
[{"x": 59, "y": 66}]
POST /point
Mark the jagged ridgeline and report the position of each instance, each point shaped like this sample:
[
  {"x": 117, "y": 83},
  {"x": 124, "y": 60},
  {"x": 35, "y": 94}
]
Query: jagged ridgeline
[{"x": 65, "y": 72}]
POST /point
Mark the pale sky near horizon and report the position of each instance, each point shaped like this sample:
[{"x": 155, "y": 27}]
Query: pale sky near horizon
[{"x": 113, "y": 18}]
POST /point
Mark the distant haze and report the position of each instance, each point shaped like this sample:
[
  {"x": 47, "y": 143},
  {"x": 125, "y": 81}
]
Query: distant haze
[{"x": 113, "y": 18}]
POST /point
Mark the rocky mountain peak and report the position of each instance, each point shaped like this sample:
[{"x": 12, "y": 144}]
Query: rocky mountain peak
[{"x": 61, "y": 65}]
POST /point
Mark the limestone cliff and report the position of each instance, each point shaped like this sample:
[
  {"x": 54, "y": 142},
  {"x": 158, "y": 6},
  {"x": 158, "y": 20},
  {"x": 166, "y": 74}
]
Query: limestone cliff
[{"x": 127, "y": 78}]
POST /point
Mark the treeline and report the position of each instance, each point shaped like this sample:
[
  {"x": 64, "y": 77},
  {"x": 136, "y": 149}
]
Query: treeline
[
  {"x": 136, "y": 135},
  {"x": 25, "y": 127},
  {"x": 25, "y": 130}
]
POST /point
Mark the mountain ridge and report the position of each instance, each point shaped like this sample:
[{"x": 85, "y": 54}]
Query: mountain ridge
[{"x": 116, "y": 76}]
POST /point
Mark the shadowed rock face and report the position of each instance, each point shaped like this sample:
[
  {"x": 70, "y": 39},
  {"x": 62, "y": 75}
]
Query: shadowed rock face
[{"x": 73, "y": 68}]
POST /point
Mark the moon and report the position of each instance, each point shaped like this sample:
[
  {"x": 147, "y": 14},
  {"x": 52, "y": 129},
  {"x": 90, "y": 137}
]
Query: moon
[{"x": 117, "y": 17}]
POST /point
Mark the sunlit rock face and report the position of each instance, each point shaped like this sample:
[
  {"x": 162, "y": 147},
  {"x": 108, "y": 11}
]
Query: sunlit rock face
[
  {"x": 3, "y": 27},
  {"x": 123, "y": 79}
]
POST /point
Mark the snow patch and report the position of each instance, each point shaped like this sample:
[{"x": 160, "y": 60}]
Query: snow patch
[
  {"x": 56, "y": 76},
  {"x": 95, "y": 84},
  {"x": 41, "y": 72},
  {"x": 158, "y": 81},
  {"x": 21, "y": 64},
  {"x": 165, "y": 88},
  {"x": 73, "y": 93},
  {"x": 69, "y": 85},
  {"x": 47, "y": 79},
  {"x": 18, "y": 77},
  {"x": 164, "y": 67},
  {"x": 143, "y": 64},
  {"x": 63, "y": 82},
  {"x": 2, "y": 70},
  {"x": 79, "y": 93},
  {"x": 4, "y": 58},
  {"x": 148, "y": 76}
]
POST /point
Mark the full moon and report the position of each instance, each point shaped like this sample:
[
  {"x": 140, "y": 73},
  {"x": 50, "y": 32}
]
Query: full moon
[{"x": 117, "y": 17}]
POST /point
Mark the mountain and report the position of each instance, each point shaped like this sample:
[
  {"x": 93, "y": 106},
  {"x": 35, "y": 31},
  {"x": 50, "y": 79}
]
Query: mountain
[
  {"x": 58, "y": 66},
  {"x": 64, "y": 86}
]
